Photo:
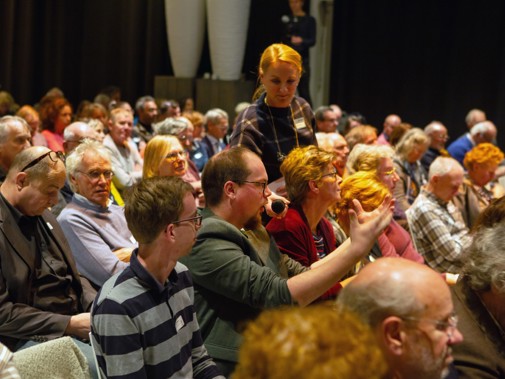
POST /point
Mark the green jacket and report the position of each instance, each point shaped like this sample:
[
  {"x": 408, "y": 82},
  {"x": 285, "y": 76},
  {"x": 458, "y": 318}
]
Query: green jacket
[{"x": 233, "y": 282}]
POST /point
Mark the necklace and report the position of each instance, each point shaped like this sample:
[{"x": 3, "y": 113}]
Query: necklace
[{"x": 280, "y": 155}]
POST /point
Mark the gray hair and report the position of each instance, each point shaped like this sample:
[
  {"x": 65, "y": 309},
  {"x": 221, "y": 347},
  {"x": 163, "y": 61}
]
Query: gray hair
[
  {"x": 485, "y": 261},
  {"x": 72, "y": 131},
  {"x": 376, "y": 301},
  {"x": 482, "y": 127},
  {"x": 410, "y": 139},
  {"x": 171, "y": 126},
  {"x": 5, "y": 126},
  {"x": 214, "y": 116},
  {"x": 319, "y": 114},
  {"x": 442, "y": 165},
  {"x": 142, "y": 101},
  {"x": 472, "y": 115},
  {"x": 74, "y": 159},
  {"x": 367, "y": 157}
]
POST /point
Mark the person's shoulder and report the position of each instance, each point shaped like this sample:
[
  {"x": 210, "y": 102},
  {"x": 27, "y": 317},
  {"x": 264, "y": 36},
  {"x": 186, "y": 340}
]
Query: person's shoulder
[{"x": 120, "y": 288}]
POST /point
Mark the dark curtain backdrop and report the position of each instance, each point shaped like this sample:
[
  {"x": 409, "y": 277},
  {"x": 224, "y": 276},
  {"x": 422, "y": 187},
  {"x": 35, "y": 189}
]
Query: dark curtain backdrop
[
  {"x": 424, "y": 60},
  {"x": 421, "y": 59}
]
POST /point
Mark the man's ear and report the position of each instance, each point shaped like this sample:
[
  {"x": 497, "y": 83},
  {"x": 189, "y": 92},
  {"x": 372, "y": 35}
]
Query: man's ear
[
  {"x": 230, "y": 189},
  {"x": 392, "y": 330},
  {"x": 21, "y": 180}
]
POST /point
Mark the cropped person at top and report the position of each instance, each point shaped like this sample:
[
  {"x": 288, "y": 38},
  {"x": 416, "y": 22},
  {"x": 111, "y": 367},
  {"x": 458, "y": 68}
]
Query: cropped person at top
[
  {"x": 312, "y": 183},
  {"x": 277, "y": 121}
]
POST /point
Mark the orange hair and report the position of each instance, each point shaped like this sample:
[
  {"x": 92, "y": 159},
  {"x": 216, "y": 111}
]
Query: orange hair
[{"x": 485, "y": 153}]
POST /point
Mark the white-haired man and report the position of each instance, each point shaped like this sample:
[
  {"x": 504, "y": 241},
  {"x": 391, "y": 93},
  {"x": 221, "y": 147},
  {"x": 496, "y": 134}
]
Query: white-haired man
[
  {"x": 438, "y": 137},
  {"x": 482, "y": 132},
  {"x": 436, "y": 224}
]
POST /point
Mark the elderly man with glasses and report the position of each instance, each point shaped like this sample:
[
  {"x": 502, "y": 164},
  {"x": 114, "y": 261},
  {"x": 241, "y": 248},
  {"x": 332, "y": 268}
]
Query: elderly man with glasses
[
  {"x": 95, "y": 229},
  {"x": 42, "y": 295},
  {"x": 409, "y": 307}
]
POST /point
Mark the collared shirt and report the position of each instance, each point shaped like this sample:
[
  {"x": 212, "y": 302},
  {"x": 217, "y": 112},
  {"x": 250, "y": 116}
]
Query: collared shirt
[
  {"x": 7, "y": 368},
  {"x": 51, "y": 285},
  {"x": 438, "y": 231}
]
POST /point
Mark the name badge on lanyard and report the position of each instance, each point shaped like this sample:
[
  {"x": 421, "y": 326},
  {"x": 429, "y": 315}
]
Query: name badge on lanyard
[{"x": 299, "y": 123}]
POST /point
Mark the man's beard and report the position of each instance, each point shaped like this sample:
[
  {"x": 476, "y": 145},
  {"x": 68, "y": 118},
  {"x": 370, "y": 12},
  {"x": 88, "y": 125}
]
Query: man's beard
[
  {"x": 425, "y": 365},
  {"x": 253, "y": 222}
]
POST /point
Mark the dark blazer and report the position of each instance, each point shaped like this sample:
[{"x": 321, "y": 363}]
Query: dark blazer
[
  {"x": 208, "y": 147},
  {"x": 19, "y": 320}
]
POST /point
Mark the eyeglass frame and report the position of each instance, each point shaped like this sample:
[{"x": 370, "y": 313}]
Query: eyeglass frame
[
  {"x": 59, "y": 155},
  {"x": 197, "y": 220},
  {"x": 173, "y": 156},
  {"x": 446, "y": 326},
  {"x": 334, "y": 173},
  {"x": 263, "y": 184},
  {"x": 109, "y": 173}
]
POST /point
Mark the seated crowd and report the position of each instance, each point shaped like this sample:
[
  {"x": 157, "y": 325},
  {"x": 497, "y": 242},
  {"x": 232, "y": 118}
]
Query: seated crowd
[{"x": 160, "y": 244}]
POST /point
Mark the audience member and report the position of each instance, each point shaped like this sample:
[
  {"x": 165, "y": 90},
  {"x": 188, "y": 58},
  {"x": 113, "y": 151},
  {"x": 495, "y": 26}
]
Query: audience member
[
  {"x": 437, "y": 133},
  {"x": 98, "y": 127},
  {"x": 216, "y": 127},
  {"x": 93, "y": 111},
  {"x": 55, "y": 115},
  {"x": 74, "y": 134},
  {"x": 412, "y": 174},
  {"x": 437, "y": 226},
  {"x": 326, "y": 120},
  {"x": 197, "y": 119},
  {"x": 276, "y": 123},
  {"x": 8, "y": 106},
  {"x": 144, "y": 321},
  {"x": 409, "y": 308},
  {"x": 365, "y": 134},
  {"x": 370, "y": 191},
  {"x": 473, "y": 117},
  {"x": 167, "y": 108},
  {"x": 42, "y": 295},
  {"x": 335, "y": 143},
  {"x": 474, "y": 196},
  {"x": 300, "y": 34},
  {"x": 390, "y": 123},
  {"x": 7, "y": 368},
  {"x": 125, "y": 159},
  {"x": 304, "y": 234},
  {"x": 234, "y": 285},
  {"x": 398, "y": 132},
  {"x": 147, "y": 112},
  {"x": 484, "y": 131},
  {"x": 182, "y": 128},
  {"x": 95, "y": 229},
  {"x": 31, "y": 116},
  {"x": 187, "y": 104},
  {"x": 478, "y": 299},
  {"x": 296, "y": 343},
  {"x": 14, "y": 137}
]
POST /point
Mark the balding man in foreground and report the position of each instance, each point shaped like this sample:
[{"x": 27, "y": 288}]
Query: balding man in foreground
[{"x": 409, "y": 307}]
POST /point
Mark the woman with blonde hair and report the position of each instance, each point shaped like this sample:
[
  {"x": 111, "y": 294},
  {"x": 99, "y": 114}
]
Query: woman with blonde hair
[
  {"x": 476, "y": 192},
  {"x": 305, "y": 234},
  {"x": 278, "y": 120},
  {"x": 409, "y": 151},
  {"x": 165, "y": 156},
  {"x": 370, "y": 191}
]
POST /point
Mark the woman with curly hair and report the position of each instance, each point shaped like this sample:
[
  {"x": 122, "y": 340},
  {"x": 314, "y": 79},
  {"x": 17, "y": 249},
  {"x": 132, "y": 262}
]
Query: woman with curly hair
[
  {"x": 476, "y": 192},
  {"x": 55, "y": 116}
]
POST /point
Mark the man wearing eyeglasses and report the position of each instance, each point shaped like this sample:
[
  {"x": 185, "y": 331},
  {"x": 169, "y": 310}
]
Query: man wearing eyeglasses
[
  {"x": 143, "y": 322},
  {"x": 42, "y": 295},
  {"x": 233, "y": 280},
  {"x": 409, "y": 307},
  {"x": 95, "y": 228},
  {"x": 438, "y": 137}
]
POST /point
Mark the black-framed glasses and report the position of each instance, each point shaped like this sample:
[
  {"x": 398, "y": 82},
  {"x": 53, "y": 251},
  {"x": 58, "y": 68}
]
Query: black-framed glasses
[
  {"x": 448, "y": 326},
  {"x": 95, "y": 175},
  {"x": 197, "y": 220},
  {"x": 53, "y": 155},
  {"x": 334, "y": 174},
  {"x": 262, "y": 184}
]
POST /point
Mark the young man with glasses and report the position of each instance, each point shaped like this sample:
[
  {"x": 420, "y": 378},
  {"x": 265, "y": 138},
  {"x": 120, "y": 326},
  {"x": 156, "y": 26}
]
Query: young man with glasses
[
  {"x": 409, "y": 307},
  {"x": 143, "y": 321},
  {"x": 233, "y": 280},
  {"x": 95, "y": 228},
  {"x": 42, "y": 295}
]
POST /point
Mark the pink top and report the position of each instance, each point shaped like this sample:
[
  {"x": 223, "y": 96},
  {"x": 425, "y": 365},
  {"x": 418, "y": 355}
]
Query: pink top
[
  {"x": 54, "y": 141},
  {"x": 396, "y": 242}
]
